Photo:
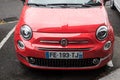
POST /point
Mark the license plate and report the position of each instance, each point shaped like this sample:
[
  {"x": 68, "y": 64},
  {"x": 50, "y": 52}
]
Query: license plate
[{"x": 64, "y": 55}]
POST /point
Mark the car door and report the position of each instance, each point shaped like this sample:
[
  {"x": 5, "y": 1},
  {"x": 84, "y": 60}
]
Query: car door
[{"x": 117, "y": 4}]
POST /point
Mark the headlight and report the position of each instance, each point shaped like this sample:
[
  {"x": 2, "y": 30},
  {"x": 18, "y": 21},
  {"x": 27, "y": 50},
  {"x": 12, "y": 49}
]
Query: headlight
[
  {"x": 26, "y": 32},
  {"x": 102, "y": 33}
]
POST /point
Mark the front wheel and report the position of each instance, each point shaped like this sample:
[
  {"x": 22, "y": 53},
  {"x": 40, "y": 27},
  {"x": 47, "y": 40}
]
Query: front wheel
[{"x": 112, "y": 6}]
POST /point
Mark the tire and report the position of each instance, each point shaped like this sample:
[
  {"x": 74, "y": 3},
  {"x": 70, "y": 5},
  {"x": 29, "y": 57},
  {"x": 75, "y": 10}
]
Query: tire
[{"x": 112, "y": 6}]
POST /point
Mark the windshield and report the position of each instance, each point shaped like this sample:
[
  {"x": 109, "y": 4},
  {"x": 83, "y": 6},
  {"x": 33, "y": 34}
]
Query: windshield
[{"x": 64, "y": 2}]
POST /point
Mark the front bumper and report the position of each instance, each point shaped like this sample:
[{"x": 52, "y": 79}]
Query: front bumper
[
  {"x": 103, "y": 62},
  {"x": 90, "y": 50},
  {"x": 23, "y": 56}
]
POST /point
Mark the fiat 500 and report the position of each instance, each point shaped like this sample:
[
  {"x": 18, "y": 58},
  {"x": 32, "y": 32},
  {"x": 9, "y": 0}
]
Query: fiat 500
[{"x": 64, "y": 35}]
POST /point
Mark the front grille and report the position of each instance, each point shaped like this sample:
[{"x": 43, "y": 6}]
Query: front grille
[
  {"x": 63, "y": 62},
  {"x": 64, "y": 49},
  {"x": 58, "y": 41}
]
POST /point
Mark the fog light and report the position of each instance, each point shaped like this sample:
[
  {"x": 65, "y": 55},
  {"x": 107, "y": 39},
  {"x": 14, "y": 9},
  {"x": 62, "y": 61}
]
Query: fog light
[
  {"x": 21, "y": 45},
  {"x": 32, "y": 60},
  {"x": 107, "y": 45},
  {"x": 96, "y": 61}
]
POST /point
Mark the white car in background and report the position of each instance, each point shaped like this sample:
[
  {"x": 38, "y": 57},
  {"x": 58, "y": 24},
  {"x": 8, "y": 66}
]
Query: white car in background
[{"x": 115, "y": 4}]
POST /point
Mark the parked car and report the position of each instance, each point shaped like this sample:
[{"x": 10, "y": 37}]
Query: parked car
[
  {"x": 115, "y": 4},
  {"x": 64, "y": 35}
]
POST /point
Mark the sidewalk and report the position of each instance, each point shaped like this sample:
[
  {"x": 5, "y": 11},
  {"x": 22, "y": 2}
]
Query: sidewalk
[{"x": 115, "y": 75}]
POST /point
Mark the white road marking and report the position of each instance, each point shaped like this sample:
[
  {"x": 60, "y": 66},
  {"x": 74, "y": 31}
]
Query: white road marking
[
  {"x": 110, "y": 64},
  {"x": 6, "y": 38}
]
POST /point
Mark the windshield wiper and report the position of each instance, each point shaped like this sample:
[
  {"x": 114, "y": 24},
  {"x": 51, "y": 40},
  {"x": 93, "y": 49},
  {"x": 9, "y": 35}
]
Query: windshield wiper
[
  {"x": 94, "y": 4},
  {"x": 67, "y": 5},
  {"x": 34, "y": 4},
  {"x": 45, "y": 5},
  {"x": 86, "y": 5}
]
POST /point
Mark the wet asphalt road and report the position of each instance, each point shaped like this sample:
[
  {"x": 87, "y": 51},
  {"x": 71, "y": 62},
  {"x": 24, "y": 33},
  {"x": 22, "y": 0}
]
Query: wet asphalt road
[
  {"x": 10, "y": 69},
  {"x": 10, "y": 8}
]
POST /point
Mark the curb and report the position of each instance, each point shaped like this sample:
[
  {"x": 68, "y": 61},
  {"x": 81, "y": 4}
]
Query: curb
[{"x": 8, "y": 20}]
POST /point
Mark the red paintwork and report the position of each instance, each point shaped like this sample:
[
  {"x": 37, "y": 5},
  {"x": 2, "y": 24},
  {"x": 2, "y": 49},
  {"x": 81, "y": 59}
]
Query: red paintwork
[{"x": 56, "y": 23}]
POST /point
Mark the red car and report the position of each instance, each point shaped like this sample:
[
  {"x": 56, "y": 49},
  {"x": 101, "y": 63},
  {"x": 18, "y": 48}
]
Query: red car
[{"x": 64, "y": 35}]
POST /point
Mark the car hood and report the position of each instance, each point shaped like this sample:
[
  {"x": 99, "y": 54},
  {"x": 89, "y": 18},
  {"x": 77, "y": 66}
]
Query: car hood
[{"x": 64, "y": 19}]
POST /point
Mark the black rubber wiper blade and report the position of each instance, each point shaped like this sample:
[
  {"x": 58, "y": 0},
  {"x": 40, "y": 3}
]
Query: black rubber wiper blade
[
  {"x": 86, "y": 5},
  {"x": 44, "y": 5},
  {"x": 94, "y": 4},
  {"x": 64, "y": 4}
]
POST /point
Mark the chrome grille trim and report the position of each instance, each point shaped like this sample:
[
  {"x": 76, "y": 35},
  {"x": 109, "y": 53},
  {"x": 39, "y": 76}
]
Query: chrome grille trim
[
  {"x": 54, "y": 42},
  {"x": 78, "y": 42},
  {"x": 64, "y": 49},
  {"x": 70, "y": 42}
]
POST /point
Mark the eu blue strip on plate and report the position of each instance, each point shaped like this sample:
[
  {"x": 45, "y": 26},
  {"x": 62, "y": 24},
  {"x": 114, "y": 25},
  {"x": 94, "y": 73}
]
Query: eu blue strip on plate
[
  {"x": 80, "y": 55},
  {"x": 47, "y": 55}
]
